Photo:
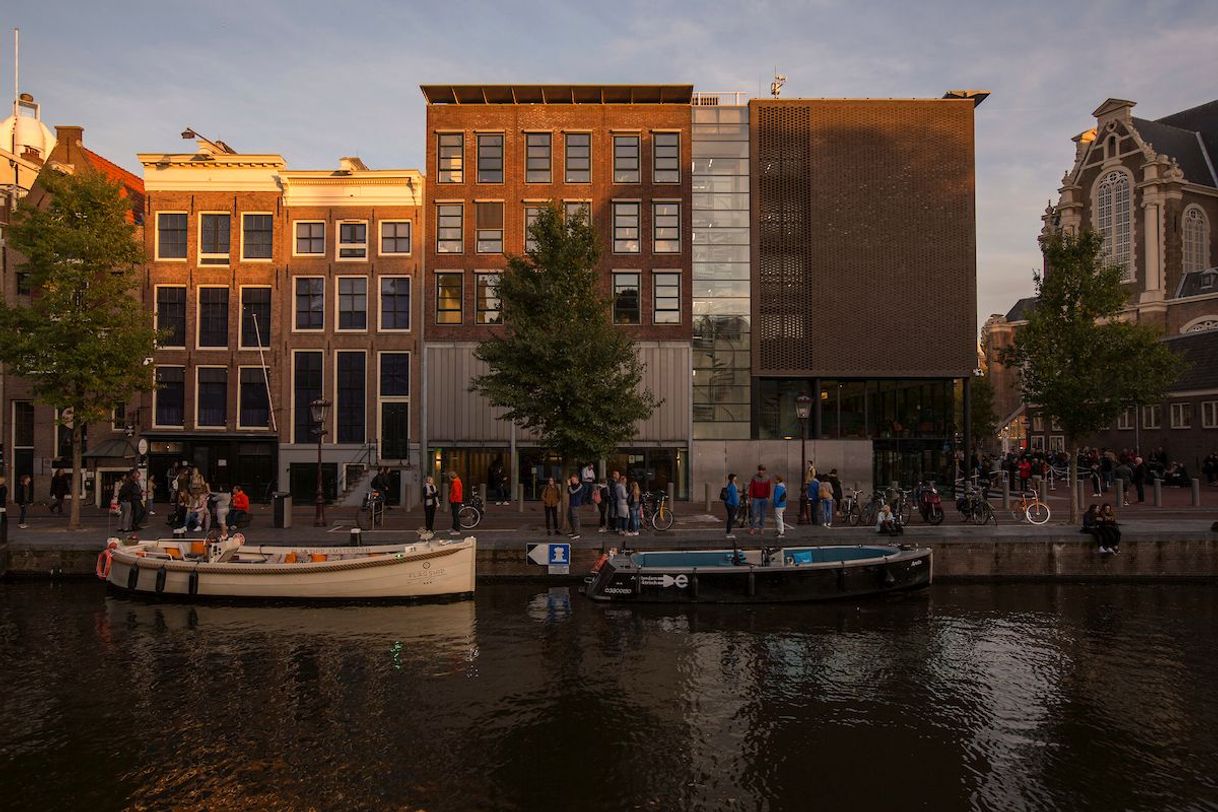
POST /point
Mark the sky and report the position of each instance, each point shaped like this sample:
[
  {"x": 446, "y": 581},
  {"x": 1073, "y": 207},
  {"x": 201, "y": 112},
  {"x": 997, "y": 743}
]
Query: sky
[{"x": 314, "y": 81}]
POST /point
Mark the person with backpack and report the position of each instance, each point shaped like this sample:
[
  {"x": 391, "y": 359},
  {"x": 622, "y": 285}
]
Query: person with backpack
[
  {"x": 780, "y": 504},
  {"x": 826, "y": 502},
  {"x": 729, "y": 495}
]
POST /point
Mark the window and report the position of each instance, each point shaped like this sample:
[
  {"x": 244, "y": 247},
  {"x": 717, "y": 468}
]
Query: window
[
  {"x": 171, "y": 235},
  {"x": 666, "y": 227},
  {"x": 1182, "y": 415},
  {"x": 352, "y": 240},
  {"x": 666, "y": 157},
  {"x": 490, "y": 157},
  {"x": 450, "y": 157},
  {"x": 1057, "y": 442},
  {"x": 625, "y": 159},
  {"x": 395, "y": 237},
  {"x": 1037, "y": 442},
  {"x": 353, "y": 303},
  {"x": 486, "y": 298},
  {"x": 1196, "y": 239},
  {"x": 1126, "y": 420},
  {"x": 395, "y": 303},
  {"x": 212, "y": 396},
  {"x": 213, "y": 317},
  {"x": 1114, "y": 220},
  {"x": 310, "y": 239},
  {"x": 1038, "y": 423},
  {"x": 537, "y": 158},
  {"x": 448, "y": 298},
  {"x": 118, "y": 417},
  {"x": 255, "y": 317},
  {"x": 171, "y": 316},
  {"x": 1055, "y": 424},
  {"x": 625, "y": 298},
  {"x": 214, "y": 239},
  {"x": 625, "y": 227},
  {"x": 666, "y": 297},
  {"x": 489, "y": 224},
  {"x": 531, "y": 213},
  {"x": 394, "y": 391},
  {"x": 306, "y": 388},
  {"x": 254, "y": 406},
  {"x": 257, "y": 231},
  {"x": 395, "y": 374},
  {"x": 578, "y": 158},
  {"x": 1209, "y": 414},
  {"x": 310, "y": 303},
  {"x": 572, "y": 209},
  {"x": 170, "y": 396},
  {"x": 350, "y": 402},
  {"x": 1152, "y": 416},
  {"x": 449, "y": 228}
]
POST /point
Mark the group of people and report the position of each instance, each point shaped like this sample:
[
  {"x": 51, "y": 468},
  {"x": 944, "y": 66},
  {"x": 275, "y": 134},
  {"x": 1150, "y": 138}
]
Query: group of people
[
  {"x": 193, "y": 504},
  {"x": 1100, "y": 467},
  {"x": 823, "y": 493},
  {"x": 1101, "y": 523},
  {"x": 618, "y": 501}
]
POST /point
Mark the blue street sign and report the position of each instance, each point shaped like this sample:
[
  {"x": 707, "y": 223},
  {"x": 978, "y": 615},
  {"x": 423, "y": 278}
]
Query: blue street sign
[{"x": 560, "y": 555}]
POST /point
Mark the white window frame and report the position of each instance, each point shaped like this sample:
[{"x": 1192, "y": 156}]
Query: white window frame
[
  {"x": 1036, "y": 442},
  {"x": 1155, "y": 410},
  {"x": 381, "y": 399},
  {"x": 1210, "y": 420},
  {"x": 337, "y": 304},
  {"x": 655, "y": 297},
  {"x": 156, "y": 315},
  {"x": 241, "y": 317},
  {"x": 291, "y": 416},
  {"x": 334, "y": 393},
  {"x": 156, "y": 393},
  {"x": 380, "y": 311},
  {"x": 266, "y": 373},
  {"x": 199, "y": 318},
  {"x": 380, "y": 237},
  {"x": 199, "y": 402},
  {"x": 1127, "y": 419},
  {"x": 1057, "y": 442},
  {"x": 1038, "y": 422},
  {"x": 1055, "y": 424},
  {"x": 318, "y": 255},
  {"x": 295, "y": 313},
  {"x": 227, "y": 256},
  {"x": 655, "y": 240},
  {"x": 1195, "y": 247},
  {"x": 339, "y": 245},
  {"x": 1181, "y": 416},
  {"x": 157, "y": 249},
  {"x": 241, "y": 249}
]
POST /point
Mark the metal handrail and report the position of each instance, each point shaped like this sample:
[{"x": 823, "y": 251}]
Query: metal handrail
[{"x": 719, "y": 98}]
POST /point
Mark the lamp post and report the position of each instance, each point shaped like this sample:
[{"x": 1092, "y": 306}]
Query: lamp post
[
  {"x": 317, "y": 411},
  {"x": 803, "y": 408}
]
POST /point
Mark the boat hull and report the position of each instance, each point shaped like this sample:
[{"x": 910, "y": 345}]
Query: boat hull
[{"x": 626, "y": 579}]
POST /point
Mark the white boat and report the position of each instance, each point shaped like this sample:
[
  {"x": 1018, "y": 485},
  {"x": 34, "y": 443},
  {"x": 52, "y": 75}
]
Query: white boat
[{"x": 229, "y": 569}]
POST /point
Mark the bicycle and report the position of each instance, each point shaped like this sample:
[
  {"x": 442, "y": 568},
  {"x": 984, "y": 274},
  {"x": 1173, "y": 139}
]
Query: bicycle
[
  {"x": 902, "y": 505},
  {"x": 372, "y": 512},
  {"x": 871, "y": 510},
  {"x": 852, "y": 512},
  {"x": 1031, "y": 508},
  {"x": 975, "y": 507},
  {"x": 656, "y": 511},
  {"x": 470, "y": 514}
]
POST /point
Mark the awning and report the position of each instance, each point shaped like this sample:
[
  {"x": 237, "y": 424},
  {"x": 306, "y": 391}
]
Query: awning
[{"x": 112, "y": 449}]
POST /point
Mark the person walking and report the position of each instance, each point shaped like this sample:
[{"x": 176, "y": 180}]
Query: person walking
[
  {"x": 496, "y": 480},
  {"x": 730, "y": 496},
  {"x": 619, "y": 503},
  {"x": 125, "y": 500},
  {"x": 634, "y": 503},
  {"x": 575, "y": 500},
  {"x": 780, "y": 504},
  {"x": 138, "y": 511},
  {"x": 25, "y": 498},
  {"x": 759, "y": 497},
  {"x": 550, "y": 497},
  {"x": 826, "y": 502},
  {"x": 611, "y": 502},
  {"x": 431, "y": 499},
  {"x": 59, "y": 490},
  {"x": 456, "y": 498},
  {"x": 1139, "y": 478},
  {"x": 588, "y": 480},
  {"x": 814, "y": 499}
]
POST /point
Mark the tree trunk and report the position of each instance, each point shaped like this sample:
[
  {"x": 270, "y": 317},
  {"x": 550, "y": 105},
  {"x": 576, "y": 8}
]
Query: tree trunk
[
  {"x": 77, "y": 474},
  {"x": 1073, "y": 482}
]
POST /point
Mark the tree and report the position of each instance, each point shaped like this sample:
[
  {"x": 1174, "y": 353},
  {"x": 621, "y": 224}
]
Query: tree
[
  {"x": 984, "y": 422},
  {"x": 558, "y": 365},
  {"x": 1078, "y": 361},
  {"x": 83, "y": 338}
]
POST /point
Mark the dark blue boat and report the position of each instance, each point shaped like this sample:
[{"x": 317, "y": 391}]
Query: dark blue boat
[{"x": 769, "y": 575}]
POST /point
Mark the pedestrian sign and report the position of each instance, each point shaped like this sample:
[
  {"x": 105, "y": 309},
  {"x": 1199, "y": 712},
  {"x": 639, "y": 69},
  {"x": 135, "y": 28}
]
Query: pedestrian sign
[{"x": 560, "y": 555}]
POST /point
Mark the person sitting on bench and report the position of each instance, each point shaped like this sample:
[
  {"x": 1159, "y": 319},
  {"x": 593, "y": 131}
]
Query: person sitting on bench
[{"x": 239, "y": 508}]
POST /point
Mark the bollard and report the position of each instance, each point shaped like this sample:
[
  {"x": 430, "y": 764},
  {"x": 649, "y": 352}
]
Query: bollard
[
  {"x": 1082, "y": 486},
  {"x": 520, "y": 497},
  {"x": 1158, "y": 492},
  {"x": 1042, "y": 486},
  {"x": 482, "y": 492},
  {"x": 444, "y": 492},
  {"x": 672, "y": 494},
  {"x": 355, "y": 538},
  {"x": 1006, "y": 494},
  {"x": 708, "y": 497},
  {"x": 1196, "y": 492},
  {"x": 1120, "y": 493}
]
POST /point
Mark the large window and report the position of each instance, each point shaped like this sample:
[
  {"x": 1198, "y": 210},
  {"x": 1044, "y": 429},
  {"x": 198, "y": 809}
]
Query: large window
[
  {"x": 1196, "y": 240},
  {"x": 1209, "y": 414},
  {"x": 306, "y": 388},
  {"x": 395, "y": 303},
  {"x": 578, "y": 160},
  {"x": 395, "y": 374},
  {"x": 1182, "y": 415},
  {"x": 531, "y": 213},
  {"x": 213, "y": 317},
  {"x": 353, "y": 240},
  {"x": 1152, "y": 416},
  {"x": 350, "y": 401},
  {"x": 486, "y": 294},
  {"x": 353, "y": 303},
  {"x": 625, "y": 227},
  {"x": 212, "y": 396},
  {"x": 171, "y": 316},
  {"x": 450, "y": 157},
  {"x": 489, "y": 217},
  {"x": 170, "y": 396},
  {"x": 626, "y": 305},
  {"x": 255, "y": 317},
  {"x": 171, "y": 235},
  {"x": 625, "y": 159},
  {"x": 395, "y": 237},
  {"x": 1127, "y": 419},
  {"x": 537, "y": 158},
  {"x": 490, "y": 157},
  {"x": 574, "y": 209},
  {"x": 666, "y": 157},
  {"x": 448, "y": 298},
  {"x": 310, "y": 303},
  {"x": 254, "y": 408},
  {"x": 214, "y": 239},
  {"x": 394, "y": 392},
  {"x": 310, "y": 238},
  {"x": 666, "y": 298},
  {"x": 257, "y": 236},
  {"x": 1114, "y": 219},
  {"x": 666, "y": 227},
  {"x": 450, "y": 238}
]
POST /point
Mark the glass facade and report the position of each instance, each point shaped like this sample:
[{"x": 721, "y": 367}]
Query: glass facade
[{"x": 721, "y": 397}]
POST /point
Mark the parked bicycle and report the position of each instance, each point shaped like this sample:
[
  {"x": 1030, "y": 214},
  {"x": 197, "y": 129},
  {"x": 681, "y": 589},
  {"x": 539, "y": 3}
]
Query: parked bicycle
[
  {"x": 871, "y": 510},
  {"x": 902, "y": 504},
  {"x": 1031, "y": 508},
  {"x": 372, "y": 511},
  {"x": 851, "y": 507},
  {"x": 470, "y": 514},
  {"x": 657, "y": 512},
  {"x": 975, "y": 507}
]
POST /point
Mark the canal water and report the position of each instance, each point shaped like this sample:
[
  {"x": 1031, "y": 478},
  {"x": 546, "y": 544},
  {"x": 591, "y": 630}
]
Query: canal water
[{"x": 961, "y": 697}]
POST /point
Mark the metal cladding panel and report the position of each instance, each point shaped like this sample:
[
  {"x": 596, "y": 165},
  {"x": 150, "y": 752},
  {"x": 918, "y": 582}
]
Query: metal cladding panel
[
  {"x": 454, "y": 414},
  {"x": 864, "y": 253},
  {"x": 667, "y": 375}
]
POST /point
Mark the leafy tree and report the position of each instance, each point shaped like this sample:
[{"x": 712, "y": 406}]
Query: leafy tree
[
  {"x": 1078, "y": 361},
  {"x": 558, "y": 365},
  {"x": 82, "y": 339},
  {"x": 983, "y": 420}
]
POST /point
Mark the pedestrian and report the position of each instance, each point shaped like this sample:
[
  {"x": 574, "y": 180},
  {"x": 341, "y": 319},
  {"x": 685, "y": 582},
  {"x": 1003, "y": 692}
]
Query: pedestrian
[
  {"x": 431, "y": 499},
  {"x": 588, "y": 481},
  {"x": 496, "y": 480},
  {"x": 575, "y": 500},
  {"x": 611, "y": 502},
  {"x": 826, "y": 502},
  {"x": 124, "y": 504},
  {"x": 729, "y": 495},
  {"x": 634, "y": 503},
  {"x": 3, "y": 507},
  {"x": 138, "y": 511},
  {"x": 780, "y": 504},
  {"x": 550, "y": 497},
  {"x": 813, "y": 492},
  {"x": 59, "y": 490},
  {"x": 600, "y": 498},
  {"x": 1124, "y": 474},
  {"x": 759, "y": 497},
  {"x": 238, "y": 508},
  {"x": 1139, "y": 478},
  {"x": 25, "y": 497},
  {"x": 456, "y": 498},
  {"x": 1025, "y": 473},
  {"x": 619, "y": 503}
]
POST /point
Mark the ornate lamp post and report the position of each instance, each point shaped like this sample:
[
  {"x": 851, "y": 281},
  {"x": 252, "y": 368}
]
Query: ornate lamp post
[
  {"x": 318, "y": 409},
  {"x": 803, "y": 408}
]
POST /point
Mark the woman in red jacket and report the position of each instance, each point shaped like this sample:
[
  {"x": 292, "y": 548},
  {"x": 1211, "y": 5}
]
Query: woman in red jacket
[{"x": 238, "y": 507}]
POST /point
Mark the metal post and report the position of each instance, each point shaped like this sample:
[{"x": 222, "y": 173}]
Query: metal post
[
  {"x": 967, "y": 462},
  {"x": 707, "y": 487},
  {"x": 1158, "y": 492},
  {"x": 1006, "y": 493},
  {"x": 1042, "y": 485},
  {"x": 319, "y": 497},
  {"x": 520, "y": 497},
  {"x": 805, "y": 509},
  {"x": 1196, "y": 492},
  {"x": 1120, "y": 493}
]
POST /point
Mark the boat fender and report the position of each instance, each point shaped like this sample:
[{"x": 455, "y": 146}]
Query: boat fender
[
  {"x": 161, "y": 575},
  {"x": 104, "y": 560},
  {"x": 133, "y": 577},
  {"x": 600, "y": 562},
  {"x": 694, "y": 584},
  {"x": 752, "y": 582},
  {"x": 192, "y": 582}
]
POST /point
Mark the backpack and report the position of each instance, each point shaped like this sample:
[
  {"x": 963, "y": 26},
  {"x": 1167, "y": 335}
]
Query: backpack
[
  {"x": 596, "y": 495},
  {"x": 723, "y": 494}
]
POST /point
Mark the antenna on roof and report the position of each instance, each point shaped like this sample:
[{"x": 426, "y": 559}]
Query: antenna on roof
[{"x": 776, "y": 85}]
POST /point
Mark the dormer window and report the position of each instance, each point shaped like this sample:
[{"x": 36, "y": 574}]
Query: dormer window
[{"x": 1207, "y": 280}]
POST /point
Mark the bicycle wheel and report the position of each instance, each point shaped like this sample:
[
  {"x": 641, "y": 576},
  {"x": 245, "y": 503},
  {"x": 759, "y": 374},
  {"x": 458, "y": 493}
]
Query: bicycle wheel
[
  {"x": 468, "y": 517},
  {"x": 906, "y": 511},
  {"x": 853, "y": 515},
  {"x": 363, "y": 519},
  {"x": 1038, "y": 513},
  {"x": 661, "y": 518},
  {"x": 935, "y": 515},
  {"x": 1019, "y": 512},
  {"x": 988, "y": 515},
  {"x": 869, "y": 513}
]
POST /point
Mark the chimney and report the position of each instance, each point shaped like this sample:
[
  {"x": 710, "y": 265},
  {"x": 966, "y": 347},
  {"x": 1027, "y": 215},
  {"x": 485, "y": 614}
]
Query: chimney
[
  {"x": 67, "y": 141},
  {"x": 350, "y": 164}
]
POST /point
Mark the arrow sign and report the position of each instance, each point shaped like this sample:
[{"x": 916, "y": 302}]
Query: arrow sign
[{"x": 538, "y": 553}]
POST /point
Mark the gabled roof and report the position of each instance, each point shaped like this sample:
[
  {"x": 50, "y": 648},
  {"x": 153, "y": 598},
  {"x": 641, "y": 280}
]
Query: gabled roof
[
  {"x": 1181, "y": 144},
  {"x": 1200, "y": 354},
  {"x": 132, "y": 184}
]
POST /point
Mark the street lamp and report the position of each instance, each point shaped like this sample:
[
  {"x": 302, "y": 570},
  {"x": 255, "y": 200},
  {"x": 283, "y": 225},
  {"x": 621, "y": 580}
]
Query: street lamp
[
  {"x": 317, "y": 412},
  {"x": 803, "y": 408}
]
